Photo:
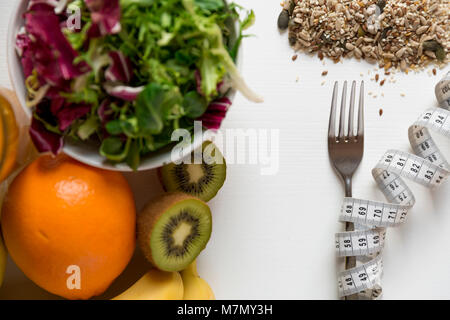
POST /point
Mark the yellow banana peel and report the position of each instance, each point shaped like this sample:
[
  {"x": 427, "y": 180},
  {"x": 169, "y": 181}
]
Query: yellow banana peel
[
  {"x": 155, "y": 285},
  {"x": 195, "y": 288}
]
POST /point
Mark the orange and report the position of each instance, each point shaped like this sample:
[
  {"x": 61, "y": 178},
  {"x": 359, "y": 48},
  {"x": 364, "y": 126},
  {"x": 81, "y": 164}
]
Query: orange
[
  {"x": 9, "y": 138},
  {"x": 60, "y": 217}
]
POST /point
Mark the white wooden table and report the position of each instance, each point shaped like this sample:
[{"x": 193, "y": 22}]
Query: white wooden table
[{"x": 263, "y": 246}]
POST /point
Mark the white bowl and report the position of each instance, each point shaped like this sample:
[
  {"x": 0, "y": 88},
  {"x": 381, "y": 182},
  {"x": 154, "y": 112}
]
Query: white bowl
[{"x": 85, "y": 153}]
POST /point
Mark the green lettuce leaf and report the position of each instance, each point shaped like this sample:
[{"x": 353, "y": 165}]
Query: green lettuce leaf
[{"x": 154, "y": 107}]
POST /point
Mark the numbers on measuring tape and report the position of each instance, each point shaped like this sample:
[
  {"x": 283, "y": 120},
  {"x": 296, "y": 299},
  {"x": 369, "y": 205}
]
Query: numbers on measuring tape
[
  {"x": 360, "y": 278},
  {"x": 427, "y": 167},
  {"x": 360, "y": 243}
]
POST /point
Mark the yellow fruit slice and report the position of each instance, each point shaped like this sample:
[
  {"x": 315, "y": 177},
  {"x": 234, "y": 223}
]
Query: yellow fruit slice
[
  {"x": 155, "y": 285},
  {"x": 9, "y": 138},
  {"x": 195, "y": 288}
]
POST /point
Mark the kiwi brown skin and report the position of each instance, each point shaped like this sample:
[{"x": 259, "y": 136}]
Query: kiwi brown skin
[
  {"x": 160, "y": 178},
  {"x": 201, "y": 196},
  {"x": 150, "y": 215}
]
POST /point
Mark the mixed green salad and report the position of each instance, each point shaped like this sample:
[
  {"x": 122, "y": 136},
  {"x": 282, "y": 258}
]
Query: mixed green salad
[{"x": 126, "y": 73}]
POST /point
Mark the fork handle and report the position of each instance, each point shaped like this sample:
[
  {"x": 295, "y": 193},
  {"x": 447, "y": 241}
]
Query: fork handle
[{"x": 350, "y": 262}]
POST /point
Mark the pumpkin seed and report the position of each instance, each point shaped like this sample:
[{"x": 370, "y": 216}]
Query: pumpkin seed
[
  {"x": 381, "y": 4},
  {"x": 431, "y": 45},
  {"x": 440, "y": 54},
  {"x": 436, "y": 47},
  {"x": 291, "y": 7},
  {"x": 283, "y": 20}
]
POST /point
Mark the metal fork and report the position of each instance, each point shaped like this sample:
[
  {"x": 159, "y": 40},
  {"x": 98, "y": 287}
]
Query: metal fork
[{"x": 346, "y": 149}]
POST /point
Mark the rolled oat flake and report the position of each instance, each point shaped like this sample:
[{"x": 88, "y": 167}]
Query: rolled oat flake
[{"x": 443, "y": 92}]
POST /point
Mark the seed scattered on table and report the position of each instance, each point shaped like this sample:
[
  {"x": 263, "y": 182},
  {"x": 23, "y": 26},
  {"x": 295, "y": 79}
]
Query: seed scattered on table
[
  {"x": 382, "y": 82},
  {"x": 294, "y": 57},
  {"x": 381, "y": 112},
  {"x": 324, "y": 73}
]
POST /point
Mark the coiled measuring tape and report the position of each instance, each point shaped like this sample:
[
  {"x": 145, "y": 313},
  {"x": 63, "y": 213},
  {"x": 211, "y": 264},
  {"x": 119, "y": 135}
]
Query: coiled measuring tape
[{"x": 427, "y": 167}]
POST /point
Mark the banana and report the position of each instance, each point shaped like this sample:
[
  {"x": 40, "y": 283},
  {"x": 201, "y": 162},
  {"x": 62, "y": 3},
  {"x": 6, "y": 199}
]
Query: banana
[
  {"x": 3, "y": 257},
  {"x": 155, "y": 285},
  {"x": 195, "y": 288}
]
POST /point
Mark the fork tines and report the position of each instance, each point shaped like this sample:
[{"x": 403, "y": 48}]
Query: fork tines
[{"x": 350, "y": 134}]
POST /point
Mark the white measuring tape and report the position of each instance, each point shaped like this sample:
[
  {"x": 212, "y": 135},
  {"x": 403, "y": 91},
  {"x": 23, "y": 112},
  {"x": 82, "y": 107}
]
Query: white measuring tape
[{"x": 427, "y": 167}]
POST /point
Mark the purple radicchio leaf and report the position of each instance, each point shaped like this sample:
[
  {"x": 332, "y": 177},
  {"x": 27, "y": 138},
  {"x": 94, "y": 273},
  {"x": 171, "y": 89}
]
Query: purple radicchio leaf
[
  {"x": 120, "y": 68},
  {"x": 55, "y": 92},
  {"x": 123, "y": 92},
  {"x": 46, "y": 66},
  {"x": 22, "y": 42},
  {"x": 57, "y": 5},
  {"x": 53, "y": 54},
  {"x": 69, "y": 113},
  {"x": 94, "y": 32},
  {"x": 25, "y": 52},
  {"x": 104, "y": 111},
  {"x": 105, "y": 114},
  {"x": 215, "y": 114},
  {"x": 105, "y": 17},
  {"x": 44, "y": 140},
  {"x": 56, "y": 105}
]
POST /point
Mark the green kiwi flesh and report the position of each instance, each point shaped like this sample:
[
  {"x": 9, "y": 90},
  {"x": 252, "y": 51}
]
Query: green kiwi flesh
[
  {"x": 201, "y": 180},
  {"x": 178, "y": 234}
]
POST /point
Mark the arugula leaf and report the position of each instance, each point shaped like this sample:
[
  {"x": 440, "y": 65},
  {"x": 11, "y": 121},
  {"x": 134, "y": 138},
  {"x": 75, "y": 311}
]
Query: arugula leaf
[
  {"x": 248, "y": 21},
  {"x": 89, "y": 127},
  {"x": 134, "y": 158},
  {"x": 77, "y": 39},
  {"x": 211, "y": 76},
  {"x": 84, "y": 90},
  {"x": 129, "y": 127},
  {"x": 153, "y": 107},
  {"x": 86, "y": 95},
  {"x": 194, "y": 105},
  {"x": 244, "y": 25},
  {"x": 210, "y": 5},
  {"x": 143, "y": 3},
  {"x": 114, "y": 149},
  {"x": 114, "y": 127}
]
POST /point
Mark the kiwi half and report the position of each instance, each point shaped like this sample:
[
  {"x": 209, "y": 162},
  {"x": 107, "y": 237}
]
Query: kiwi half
[
  {"x": 173, "y": 229},
  {"x": 202, "y": 180}
]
